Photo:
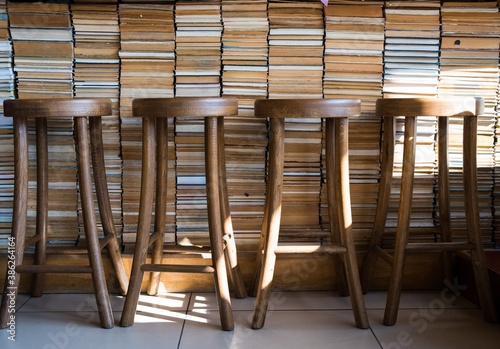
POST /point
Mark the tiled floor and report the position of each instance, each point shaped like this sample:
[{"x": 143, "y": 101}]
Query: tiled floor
[{"x": 295, "y": 320}]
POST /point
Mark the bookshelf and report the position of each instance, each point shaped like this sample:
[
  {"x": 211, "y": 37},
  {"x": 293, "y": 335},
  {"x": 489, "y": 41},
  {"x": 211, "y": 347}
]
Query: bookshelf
[{"x": 250, "y": 49}]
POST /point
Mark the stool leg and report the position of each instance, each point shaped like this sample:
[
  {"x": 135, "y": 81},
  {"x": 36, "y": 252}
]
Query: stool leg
[
  {"x": 403, "y": 225},
  {"x": 85, "y": 181},
  {"x": 443, "y": 194},
  {"x": 231, "y": 255},
  {"x": 103, "y": 201},
  {"x": 161, "y": 201},
  {"x": 472, "y": 218},
  {"x": 42, "y": 200},
  {"x": 19, "y": 215},
  {"x": 144, "y": 223},
  {"x": 215, "y": 223},
  {"x": 343, "y": 199},
  {"x": 384, "y": 195},
  {"x": 254, "y": 286},
  {"x": 272, "y": 223},
  {"x": 333, "y": 209}
]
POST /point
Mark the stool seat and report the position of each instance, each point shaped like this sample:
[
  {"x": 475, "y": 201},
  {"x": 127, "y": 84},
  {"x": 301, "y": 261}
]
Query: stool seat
[
  {"x": 155, "y": 113},
  {"x": 335, "y": 114},
  {"x": 443, "y": 108},
  {"x": 86, "y": 115},
  {"x": 57, "y": 108}
]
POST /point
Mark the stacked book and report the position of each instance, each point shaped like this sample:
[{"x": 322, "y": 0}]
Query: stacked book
[
  {"x": 411, "y": 69},
  {"x": 354, "y": 44},
  {"x": 296, "y": 45},
  {"x": 496, "y": 187},
  {"x": 469, "y": 67},
  {"x": 198, "y": 48},
  {"x": 42, "y": 38},
  {"x": 6, "y": 72},
  {"x": 6, "y": 139},
  {"x": 96, "y": 74},
  {"x": 197, "y": 74},
  {"x": 245, "y": 51},
  {"x": 146, "y": 71},
  {"x": 244, "y": 76}
]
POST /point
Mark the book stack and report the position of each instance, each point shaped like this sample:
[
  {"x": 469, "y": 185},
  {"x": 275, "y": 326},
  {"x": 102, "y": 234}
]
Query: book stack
[
  {"x": 245, "y": 51},
  {"x": 146, "y": 71},
  {"x": 296, "y": 31},
  {"x": 496, "y": 187},
  {"x": 198, "y": 48},
  {"x": 411, "y": 69},
  {"x": 469, "y": 67},
  {"x": 411, "y": 49},
  {"x": 6, "y": 138},
  {"x": 244, "y": 75},
  {"x": 96, "y": 74},
  {"x": 42, "y": 38},
  {"x": 354, "y": 44},
  {"x": 6, "y": 72},
  {"x": 197, "y": 74}
]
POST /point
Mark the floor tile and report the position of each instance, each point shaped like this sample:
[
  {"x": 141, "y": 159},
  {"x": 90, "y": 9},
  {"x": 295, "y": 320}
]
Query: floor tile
[
  {"x": 21, "y": 300},
  {"x": 436, "y": 327},
  {"x": 53, "y": 302},
  {"x": 76, "y": 331},
  {"x": 283, "y": 329},
  {"x": 167, "y": 301},
  {"x": 208, "y": 301},
  {"x": 299, "y": 300},
  {"x": 427, "y": 319},
  {"x": 416, "y": 299}
]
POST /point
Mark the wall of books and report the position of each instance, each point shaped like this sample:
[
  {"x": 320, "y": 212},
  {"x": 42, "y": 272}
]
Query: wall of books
[{"x": 251, "y": 49}]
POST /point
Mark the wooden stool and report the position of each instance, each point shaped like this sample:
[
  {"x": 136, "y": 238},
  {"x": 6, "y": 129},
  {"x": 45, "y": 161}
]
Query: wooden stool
[
  {"x": 411, "y": 108},
  {"x": 155, "y": 112},
  {"x": 79, "y": 110},
  {"x": 336, "y": 113}
]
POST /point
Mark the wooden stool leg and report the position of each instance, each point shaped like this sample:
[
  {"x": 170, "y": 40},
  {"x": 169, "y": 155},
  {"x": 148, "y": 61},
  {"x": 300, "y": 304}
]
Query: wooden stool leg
[
  {"x": 42, "y": 199},
  {"x": 19, "y": 216},
  {"x": 215, "y": 223},
  {"x": 234, "y": 271},
  {"x": 444, "y": 196},
  {"x": 333, "y": 209},
  {"x": 85, "y": 181},
  {"x": 384, "y": 194},
  {"x": 273, "y": 207},
  {"x": 403, "y": 226},
  {"x": 472, "y": 218},
  {"x": 161, "y": 201},
  {"x": 144, "y": 223},
  {"x": 254, "y": 286},
  {"x": 343, "y": 198},
  {"x": 106, "y": 214}
]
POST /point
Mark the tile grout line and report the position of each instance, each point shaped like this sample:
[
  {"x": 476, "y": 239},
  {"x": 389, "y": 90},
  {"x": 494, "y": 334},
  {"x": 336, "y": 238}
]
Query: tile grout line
[{"x": 184, "y": 321}]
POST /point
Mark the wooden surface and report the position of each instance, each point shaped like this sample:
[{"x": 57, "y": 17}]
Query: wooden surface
[
  {"x": 293, "y": 273},
  {"x": 58, "y": 108}
]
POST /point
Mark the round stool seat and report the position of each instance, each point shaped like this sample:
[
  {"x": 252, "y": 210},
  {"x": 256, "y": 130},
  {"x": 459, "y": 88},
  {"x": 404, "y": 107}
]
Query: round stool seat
[{"x": 57, "y": 108}]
